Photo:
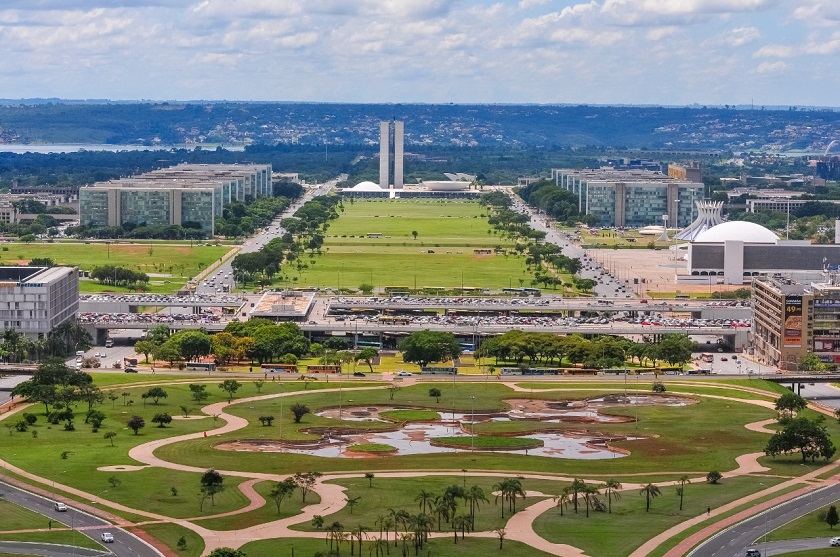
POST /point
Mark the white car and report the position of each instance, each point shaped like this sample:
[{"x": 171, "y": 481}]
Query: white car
[
  {"x": 60, "y": 507},
  {"x": 404, "y": 374},
  {"x": 107, "y": 537},
  {"x": 834, "y": 542}
]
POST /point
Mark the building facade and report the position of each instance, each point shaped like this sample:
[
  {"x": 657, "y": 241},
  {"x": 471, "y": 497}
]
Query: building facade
[
  {"x": 187, "y": 194},
  {"x": 34, "y": 300},
  {"x": 794, "y": 318},
  {"x": 391, "y": 154},
  {"x": 632, "y": 198}
]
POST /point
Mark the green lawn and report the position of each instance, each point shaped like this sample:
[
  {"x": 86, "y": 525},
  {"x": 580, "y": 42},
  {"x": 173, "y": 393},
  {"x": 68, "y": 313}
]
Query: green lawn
[
  {"x": 629, "y": 525},
  {"x": 177, "y": 262},
  {"x": 452, "y": 230},
  {"x": 14, "y": 517},
  {"x": 443, "y": 547},
  {"x": 811, "y": 525},
  {"x": 170, "y": 533},
  {"x": 62, "y": 537},
  {"x": 267, "y": 513}
]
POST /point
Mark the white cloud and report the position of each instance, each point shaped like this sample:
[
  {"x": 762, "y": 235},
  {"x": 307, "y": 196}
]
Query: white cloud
[
  {"x": 742, "y": 35},
  {"x": 771, "y": 67},
  {"x": 774, "y": 51}
]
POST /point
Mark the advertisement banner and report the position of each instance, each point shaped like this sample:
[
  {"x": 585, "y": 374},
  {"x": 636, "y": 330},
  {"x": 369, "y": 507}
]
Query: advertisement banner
[{"x": 793, "y": 322}]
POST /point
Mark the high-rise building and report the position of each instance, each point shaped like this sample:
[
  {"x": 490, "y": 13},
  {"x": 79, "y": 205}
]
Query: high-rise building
[
  {"x": 391, "y": 153},
  {"x": 35, "y": 300}
]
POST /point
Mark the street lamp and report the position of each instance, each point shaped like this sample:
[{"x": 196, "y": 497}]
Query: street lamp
[
  {"x": 95, "y": 497},
  {"x": 472, "y": 422}
]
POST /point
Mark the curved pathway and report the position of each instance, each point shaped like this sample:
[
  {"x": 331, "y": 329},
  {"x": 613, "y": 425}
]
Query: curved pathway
[{"x": 519, "y": 526}]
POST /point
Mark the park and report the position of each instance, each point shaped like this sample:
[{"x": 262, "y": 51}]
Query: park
[{"x": 640, "y": 464}]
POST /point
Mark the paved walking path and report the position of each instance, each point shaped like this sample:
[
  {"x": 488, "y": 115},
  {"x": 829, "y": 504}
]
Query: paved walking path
[{"x": 332, "y": 496}]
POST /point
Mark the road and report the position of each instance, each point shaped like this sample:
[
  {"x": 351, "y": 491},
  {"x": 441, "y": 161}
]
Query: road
[
  {"x": 607, "y": 285},
  {"x": 125, "y": 544},
  {"x": 734, "y": 541}
]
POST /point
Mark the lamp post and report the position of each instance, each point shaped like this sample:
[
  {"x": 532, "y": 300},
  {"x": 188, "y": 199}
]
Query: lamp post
[
  {"x": 95, "y": 497},
  {"x": 766, "y": 524},
  {"x": 472, "y": 422},
  {"x": 282, "y": 449}
]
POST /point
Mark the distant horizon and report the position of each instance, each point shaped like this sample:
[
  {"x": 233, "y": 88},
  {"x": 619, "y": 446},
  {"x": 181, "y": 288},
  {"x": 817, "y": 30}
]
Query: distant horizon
[{"x": 694, "y": 105}]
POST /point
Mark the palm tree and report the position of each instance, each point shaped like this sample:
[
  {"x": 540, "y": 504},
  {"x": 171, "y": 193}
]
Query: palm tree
[
  {"x": 516, "y": 489},
  {"x": 576, "y": 487},
  {"x": 562, "y": 500},
  {"x": 380, "y": 546},
  {"x": 425, "y": 498},
  {"x": 681, "y": 490},
  {"x": 650, "y": 491},
  {"x": 476, "y": 496},
  {"x": 589, "y": 492},
  {"x": 612, "y": 486}
]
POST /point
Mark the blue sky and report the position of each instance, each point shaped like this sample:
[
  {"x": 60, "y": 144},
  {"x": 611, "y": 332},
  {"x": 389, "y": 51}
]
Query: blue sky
[{"x": 770, "y": 52}]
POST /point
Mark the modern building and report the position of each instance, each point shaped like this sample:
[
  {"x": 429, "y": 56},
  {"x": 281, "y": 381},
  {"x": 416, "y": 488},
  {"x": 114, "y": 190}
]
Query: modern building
[
  {"x": 180, "y": 195},
  {"x": 709, "y": 215},
  {"x": 793, "y": 318},
  {"x": 688, "y": 172},
  {"x": 34, "y": 300},
  {"x": 631, "y": 198},
  {"x": 734, "y": 252},
  {"x": 391, "y": 153}
]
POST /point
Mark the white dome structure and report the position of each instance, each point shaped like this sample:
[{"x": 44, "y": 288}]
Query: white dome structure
[
  {"x": 366, "y": 186},
  {"x": 747, "y": 232}
]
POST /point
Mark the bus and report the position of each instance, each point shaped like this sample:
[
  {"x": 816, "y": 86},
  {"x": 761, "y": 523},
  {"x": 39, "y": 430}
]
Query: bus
[
  {"x": 372, "y": 343},
  {"x": 323, "y": 369},
  {"x": 201, "y": 366},
  {"x": 707, "y": 357},
  {"x": 279, "y": 368},
  {"x": 535, "y": 292},
  {"x": 395, "y": 320}
]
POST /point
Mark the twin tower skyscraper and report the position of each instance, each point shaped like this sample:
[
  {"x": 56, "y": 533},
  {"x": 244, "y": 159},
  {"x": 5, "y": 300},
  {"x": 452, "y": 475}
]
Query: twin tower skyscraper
[{"x": 391, "y": 154}]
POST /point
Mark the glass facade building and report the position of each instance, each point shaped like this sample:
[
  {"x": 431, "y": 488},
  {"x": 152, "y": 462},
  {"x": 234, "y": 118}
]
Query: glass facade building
[{"x": 187, "y": 193}]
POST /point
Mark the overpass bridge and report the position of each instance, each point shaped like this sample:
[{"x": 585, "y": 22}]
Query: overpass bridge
[
  {"x": 738, "y": 337},
  {"x": 798, "y": 380},
  {"x": 131, "y": 303}
]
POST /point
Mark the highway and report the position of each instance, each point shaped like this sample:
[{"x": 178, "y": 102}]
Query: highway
[
  {"x": 125, "y": 544},
  {"x": 734, "y": 541}
]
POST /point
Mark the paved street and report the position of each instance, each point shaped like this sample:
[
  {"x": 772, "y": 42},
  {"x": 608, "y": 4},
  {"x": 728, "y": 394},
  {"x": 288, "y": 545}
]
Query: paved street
[
  {"x": 125, "y": 544},
  {"x": 735, "y": 541}
]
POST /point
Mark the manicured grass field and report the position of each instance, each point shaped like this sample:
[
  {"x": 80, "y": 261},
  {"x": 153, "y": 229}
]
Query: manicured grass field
[
  {"x": 14, "y": 517},
  {"x": 170, "y": 533},
  {"x": 267, "y": 513},
  {"x": 629, "y": 525},
  {"x": 62, "y": 537},
  {"x": 452, "y": 230},
  {"x": 177, "y": 262},
  {"x": 437, "y": 547},
  {"x": 811, "y": 525}
]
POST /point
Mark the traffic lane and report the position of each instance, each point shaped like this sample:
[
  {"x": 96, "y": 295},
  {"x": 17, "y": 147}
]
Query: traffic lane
[
  {"x": 47, "y": 550},
  {"x": 125, "y": 543},
  {"x": 825, "y": 393},
  {"x": 735, "y": 541}
]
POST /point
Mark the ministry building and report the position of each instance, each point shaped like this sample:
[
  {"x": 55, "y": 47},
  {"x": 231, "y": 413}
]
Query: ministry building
[{"x": 186, "y": 194}]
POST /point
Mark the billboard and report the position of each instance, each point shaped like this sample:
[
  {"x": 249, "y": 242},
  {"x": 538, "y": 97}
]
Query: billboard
[{"x": 793, "y": 322}]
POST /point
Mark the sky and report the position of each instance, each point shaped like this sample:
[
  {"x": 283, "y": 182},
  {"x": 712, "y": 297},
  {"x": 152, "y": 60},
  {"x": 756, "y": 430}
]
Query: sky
[{"x": 661, "y": 52}]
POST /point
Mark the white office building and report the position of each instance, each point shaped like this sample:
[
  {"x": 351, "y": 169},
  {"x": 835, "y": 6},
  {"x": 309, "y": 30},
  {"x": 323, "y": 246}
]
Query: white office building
[{"x": 34, "y": 300}]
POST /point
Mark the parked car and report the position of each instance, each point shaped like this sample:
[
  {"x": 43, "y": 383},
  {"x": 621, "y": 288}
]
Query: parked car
[
  {"x": 60, "y": 507},
  {"x": 107, "y": 537},
  {"x": 131, "y": 370},
  {"x": 358, "y": 374}
]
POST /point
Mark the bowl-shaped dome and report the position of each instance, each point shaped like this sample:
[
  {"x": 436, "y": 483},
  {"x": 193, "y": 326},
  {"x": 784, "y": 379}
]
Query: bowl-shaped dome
[{"x": 748, "y": 232}]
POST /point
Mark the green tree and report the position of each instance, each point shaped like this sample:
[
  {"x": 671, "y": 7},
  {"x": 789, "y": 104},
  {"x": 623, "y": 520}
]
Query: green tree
[
  {"x": 369, "y": 477},
  {"x": 281, "y": 491},
  {"x": 198, "y": 392},
  {"x": 649, "y": 492},
  {"x": 299, "y": 411},
  {"x": 230, "y": 386},
  {"x": 136, "y": 423},
  {"x": 809, "y": 437},
  {"x": 790, "y": 404},
  {"x": 831, "y": 517},
  {"x": 145, "y": 347},
  {"x": 367, "y": 355},
  {"x": 109, "y": 435},
  {"x": 212, "y": 482},
  {"x": 425, "y": 347},
  {"x": 435, "y": 392},
  {"x": 681, "y": 489},
  {"x": 306, "y": 481},
  {"x": 155, "y": 393},
  {"x": 162, "y": 419},
  {"x": 713, "y": 477}
]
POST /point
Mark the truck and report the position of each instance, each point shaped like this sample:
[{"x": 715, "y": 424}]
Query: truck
[{"x": 109, "y": 343}]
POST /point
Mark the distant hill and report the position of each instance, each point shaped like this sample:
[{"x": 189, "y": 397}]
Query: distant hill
[{"x": 50, "y": 121}]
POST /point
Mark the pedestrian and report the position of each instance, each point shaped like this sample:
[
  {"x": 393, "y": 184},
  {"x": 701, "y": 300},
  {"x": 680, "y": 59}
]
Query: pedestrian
[
  {"x": 250, "y": 369},
  {"x": 708, "y": 511},
  {"x": 50, "y": 524}
]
